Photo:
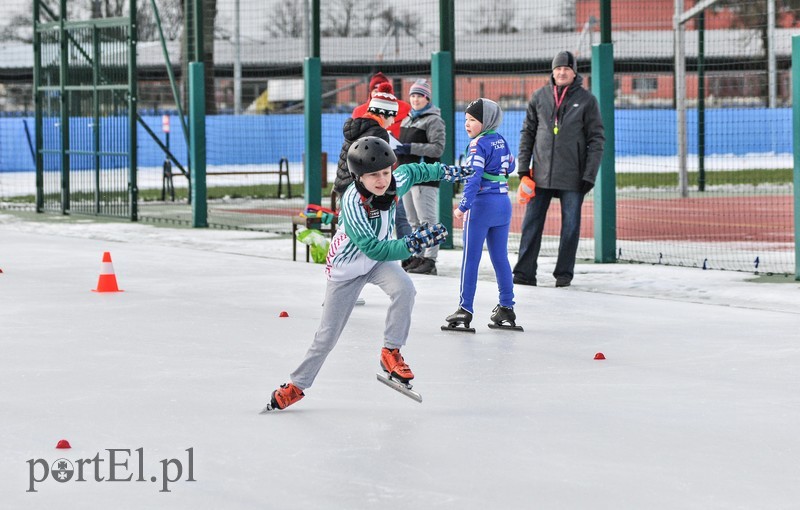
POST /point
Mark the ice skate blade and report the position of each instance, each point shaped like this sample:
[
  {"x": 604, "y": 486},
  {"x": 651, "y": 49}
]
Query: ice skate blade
[
  {"x": 492, "y": 325},
  {"x": 449, "y": 327},
  {"x": 405, "y": 389},
  {"x": 268, "y": 409}
]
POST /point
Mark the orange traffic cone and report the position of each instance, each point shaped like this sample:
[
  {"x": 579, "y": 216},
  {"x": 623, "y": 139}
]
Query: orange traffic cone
[{"x": 107, "y": 281}]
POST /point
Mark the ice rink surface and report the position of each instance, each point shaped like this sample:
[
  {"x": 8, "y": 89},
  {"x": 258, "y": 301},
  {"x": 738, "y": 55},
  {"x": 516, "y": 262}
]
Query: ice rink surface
[{"x": 696, "y": 405}]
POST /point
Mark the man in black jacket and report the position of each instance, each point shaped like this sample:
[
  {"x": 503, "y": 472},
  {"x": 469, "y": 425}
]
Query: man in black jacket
[{"x": 560, "y": 148}]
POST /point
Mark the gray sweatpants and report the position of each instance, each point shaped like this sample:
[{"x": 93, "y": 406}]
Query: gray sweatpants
[{"x": 340, "y": 299}]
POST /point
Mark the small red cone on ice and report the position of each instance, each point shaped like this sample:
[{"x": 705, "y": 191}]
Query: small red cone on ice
[
  {"x": 599, "y": 355},
  {"x": 108, "y": 280},
  {"x": 283, "y": 314},
  {"x": 63, "y": 444}
]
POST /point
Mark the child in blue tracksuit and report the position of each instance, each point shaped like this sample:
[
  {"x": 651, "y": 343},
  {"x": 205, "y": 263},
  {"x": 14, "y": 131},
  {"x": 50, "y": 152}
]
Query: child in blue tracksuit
[{"x": 486, "y": 211}]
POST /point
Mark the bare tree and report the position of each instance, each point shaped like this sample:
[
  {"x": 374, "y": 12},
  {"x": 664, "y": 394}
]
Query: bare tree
[
  {"x": 18, "y": 29},
  {"x": 388, "y": 19},
  {"x": 497, "y": 19},
  {"x": 287, "y": 19},
  {"x": 351, "y": 18},
  {"x": 169, "y": 11}
]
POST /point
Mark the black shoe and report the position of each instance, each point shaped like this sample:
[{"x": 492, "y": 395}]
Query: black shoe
[
  {"x": 518, "y": 280},
  {"x": 563, "y": 281},
  {"x": 460, "y": 316},
  {"x": 411, "y": 263},
  {"x": 503, "y": 314},
  {"x": 427, "y": 266}
]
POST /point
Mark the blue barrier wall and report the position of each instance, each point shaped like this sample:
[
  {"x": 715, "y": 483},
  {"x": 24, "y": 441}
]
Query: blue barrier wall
[{"x": 264, "y": 139}]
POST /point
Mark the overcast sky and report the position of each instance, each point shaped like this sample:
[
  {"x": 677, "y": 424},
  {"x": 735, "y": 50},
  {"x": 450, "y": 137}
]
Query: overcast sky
[
  {"x": 11, "y": 8},
  {"x": 541, "y": 8}
]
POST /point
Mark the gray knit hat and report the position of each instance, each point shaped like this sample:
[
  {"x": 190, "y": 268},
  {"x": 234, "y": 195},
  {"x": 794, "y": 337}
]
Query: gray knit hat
[
  {"x": 566, "y": 59},
  {"x": 487, "y": 112}
]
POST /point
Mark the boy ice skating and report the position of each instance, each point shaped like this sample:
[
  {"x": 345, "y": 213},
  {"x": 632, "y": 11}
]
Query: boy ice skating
[
  {"x": 486, "y": 210},
  {"x": 364, "y": 251}
]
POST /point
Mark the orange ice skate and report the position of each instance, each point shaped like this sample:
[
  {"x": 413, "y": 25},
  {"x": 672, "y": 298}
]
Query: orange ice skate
[
  {"x": 392, "y": 363},
  {"x": 283, "y": 397}
]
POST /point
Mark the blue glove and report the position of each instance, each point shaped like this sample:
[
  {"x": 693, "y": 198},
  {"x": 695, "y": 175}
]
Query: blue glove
[
  {"x": 456, "y": 173},
  {"x": 425, "y": 236},
  {"x": 402, "y": 149}
]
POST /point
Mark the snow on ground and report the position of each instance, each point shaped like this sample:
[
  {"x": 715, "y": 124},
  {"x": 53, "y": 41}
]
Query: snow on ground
[
  {"x": 695, "y": 407},
  {"x": 24, "y": 183}
]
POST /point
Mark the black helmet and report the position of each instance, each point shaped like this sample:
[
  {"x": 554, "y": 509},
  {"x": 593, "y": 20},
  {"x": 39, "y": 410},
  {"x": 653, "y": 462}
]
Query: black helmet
[{"x": 369, "y": 154}]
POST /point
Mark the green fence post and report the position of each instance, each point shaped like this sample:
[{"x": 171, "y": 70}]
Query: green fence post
[
  {"x": 37, "y": 101},
  {"x": 443, "y": 97},
  {"x": 312, "y": 73},
  {"x": 796, "y": 149},
  {"x": 605, "y": 197},
  {"x": 133, "y": 106},
  {"x": 312, "y": 105},
  {"x": 63, "y": 72},
  {"x": 443, "y": 79},
  {"x": 197, "y": 146}
]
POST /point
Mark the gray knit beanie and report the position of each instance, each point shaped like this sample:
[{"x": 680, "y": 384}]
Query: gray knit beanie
[{"x": 565, "y": 58}]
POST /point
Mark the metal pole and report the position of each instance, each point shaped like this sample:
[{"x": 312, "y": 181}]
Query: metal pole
[
  {"x": 605, "y": 194},
  {"x": 63, "y": 72},
  {"x": 312, "y": 105},
  {"x": 96, "y": 58},
  {"x": 197, "y": 123},
  {"x": 605, "y": 191},
  {"x": 772, "y": 73},
  {"x": 197, "y": 19},
  {"x": 443, "y": 81},
  {"x": 701, "y": 101},
  {"x": 133, "y": 102},
  {"x": 796, "y": 149},
  {"x": 197, "y": 137},
  {"x": 605, "y": 22},
  {"x": 680, "y": 97},
  {"x": 37, "y": 101},
  {"x": 237, "y": 62}
]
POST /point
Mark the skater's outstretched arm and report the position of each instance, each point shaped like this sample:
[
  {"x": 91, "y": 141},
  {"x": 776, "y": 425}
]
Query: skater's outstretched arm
[{"x": 413, "y": 173}]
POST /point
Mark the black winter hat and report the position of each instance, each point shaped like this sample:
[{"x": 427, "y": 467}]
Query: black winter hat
[
  {"x": 475, "y": 109},
  {"x": 369, "y": 154},
  {"x": 565, "y": 58}
]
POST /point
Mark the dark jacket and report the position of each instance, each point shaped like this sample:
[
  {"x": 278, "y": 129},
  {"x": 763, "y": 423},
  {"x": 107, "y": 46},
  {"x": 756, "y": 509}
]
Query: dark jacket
[
  {"x": 561, "y": 161},
  {"x": 352, "y": 130},
  {"x": 426, "y": 134}
]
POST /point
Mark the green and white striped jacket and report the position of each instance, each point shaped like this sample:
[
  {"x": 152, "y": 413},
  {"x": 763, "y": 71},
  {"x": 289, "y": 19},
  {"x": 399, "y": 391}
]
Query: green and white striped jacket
[{"x": 364, "y": 236}]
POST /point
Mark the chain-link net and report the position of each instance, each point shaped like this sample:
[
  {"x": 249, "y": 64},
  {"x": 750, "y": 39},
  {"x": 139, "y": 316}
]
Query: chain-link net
[{"x": 726, "y": 204}]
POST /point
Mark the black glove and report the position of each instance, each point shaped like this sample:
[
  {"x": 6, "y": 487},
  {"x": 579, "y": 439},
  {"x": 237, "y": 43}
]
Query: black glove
[
  {"x": 425, "y": 236},
  {"x": 586, "y": 186},
  {"x": 402, "y": 149}
]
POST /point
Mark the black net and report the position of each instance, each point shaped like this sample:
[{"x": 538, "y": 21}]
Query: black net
[{"x": 726, "y": 204}]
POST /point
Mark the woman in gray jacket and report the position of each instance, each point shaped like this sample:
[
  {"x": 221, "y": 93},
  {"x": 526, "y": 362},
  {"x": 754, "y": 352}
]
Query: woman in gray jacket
[{"x": 422, "y": 137}]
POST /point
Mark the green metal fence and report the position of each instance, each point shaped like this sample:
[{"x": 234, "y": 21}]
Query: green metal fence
[
  {"x": 686, "y": 191},
  {"x": 85, "y": 117}
]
